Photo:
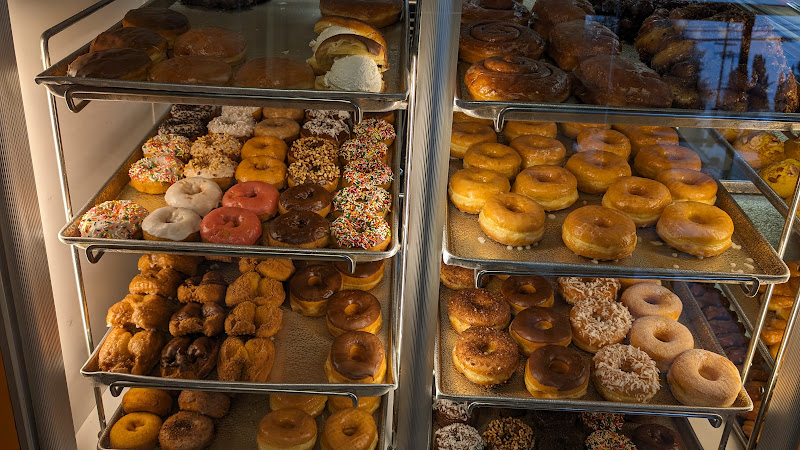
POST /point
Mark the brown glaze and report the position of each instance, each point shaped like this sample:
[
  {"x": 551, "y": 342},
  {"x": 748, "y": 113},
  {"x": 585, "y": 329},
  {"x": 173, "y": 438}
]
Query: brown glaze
[
  {"x": 528, "y": 322},
  {"x": 651, "y": 436},
  {"x": 480, "y": 307},
  {"x": 156, "y": 19},
  {"x": 517, "y": 78},
  {"x": 185, "y": 357},
  {"x": 306, "y": 197},
  {"x": 546, "y": 365},
  {"x": 365, "y": 310},
  {"x": 357, "y": 355},
  {"x": 131, "y": 37},
  {"x": 114, "y": 63},
  {"x": 299, "y": 227},
  {"x": 315, "y": 282},
  {"x": 526, "y": 291},
  {"x": 276, "y": 73},
  {"x": 193, "y": 69},
  {"x": 363, "y": 270}
]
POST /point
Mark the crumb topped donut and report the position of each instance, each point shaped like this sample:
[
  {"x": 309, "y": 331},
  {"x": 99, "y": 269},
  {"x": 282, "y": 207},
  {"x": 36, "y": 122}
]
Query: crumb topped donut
[
  {"x": 575, "y": 289},
  {"x": 623, "y": 373},
  {"x": 485, "y": 355},
  {"x": 597, "y": 323},
  {"x": 478, "y": 307}
]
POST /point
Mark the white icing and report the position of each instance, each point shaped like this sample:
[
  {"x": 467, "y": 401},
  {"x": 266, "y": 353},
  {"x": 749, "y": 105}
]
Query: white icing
[
  {"x": 201, "y": 195},
  {"x": 327, "y": 33},
  {"x": 228, "y": 111},
  {"x": 175, "y": 224}
]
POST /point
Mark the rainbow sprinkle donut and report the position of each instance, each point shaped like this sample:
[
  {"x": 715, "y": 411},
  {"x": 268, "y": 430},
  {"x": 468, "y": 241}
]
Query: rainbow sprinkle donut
[
  {"x": 167, "y": 145},
  {"x": 361, "y": 148},
  {"x": 359, "y": 200},
  {"x": 375, "y": 130},
  {"x": 607, "y": 440},
  {"x": 368, "y": 172},
  {"x": 115, "y": 219},
  {"x": 367, "y": 232}
]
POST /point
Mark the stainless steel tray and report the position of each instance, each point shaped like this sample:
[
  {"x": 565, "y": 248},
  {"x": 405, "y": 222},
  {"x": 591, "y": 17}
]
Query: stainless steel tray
[
  {"x": 747, "y": 309},
  {"x": 301, "y": 348},
  {"x": 651, "y": 259},
  {"x": 574, "y": 111},
  {"x": 451, "y": 384},
  {"x": 278, "y": 29},
  {"x": 239, "y": 428},
  {"x": 118, "y": 188}
]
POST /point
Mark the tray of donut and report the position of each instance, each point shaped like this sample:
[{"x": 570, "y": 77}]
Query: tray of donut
[
  {"x": 197, "y": 47},
  {"x": 455, "y": 427},
  {"x": 153, "y": 418},
  {"x": 595, "y": 200},
  {"x": 273, "y": 324},
  {"x": 597, "y": 344},
  {"x": 234, "y": 182}
]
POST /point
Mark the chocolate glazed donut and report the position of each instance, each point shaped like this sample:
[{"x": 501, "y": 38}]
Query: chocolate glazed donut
[
  {"x": 547, "y": 366},
  {"x": 312, "y": 286},
  {"x": 303, "y": 229},
  {"x": 306, "y": 197},
  {"x": 357, "y": 356},
  {"x": 523, "y": 292},
  {"x": 535, "y": 327},
  {"x": 652, "y": 436},
  {"x": 353, "y": 310}
]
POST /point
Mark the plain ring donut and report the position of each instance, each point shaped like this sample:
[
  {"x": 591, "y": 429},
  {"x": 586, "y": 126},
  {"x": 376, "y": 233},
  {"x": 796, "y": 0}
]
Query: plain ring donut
[
  {"x": 648, "y": 299},
  {"x": 703, "y": 378}
]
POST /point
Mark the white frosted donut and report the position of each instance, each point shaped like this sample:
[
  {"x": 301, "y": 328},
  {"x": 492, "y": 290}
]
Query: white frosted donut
[
  {"x": 171, "y": 223},
  {"x": 239, "y": 126},
  {"x": 201, "y": 195}
]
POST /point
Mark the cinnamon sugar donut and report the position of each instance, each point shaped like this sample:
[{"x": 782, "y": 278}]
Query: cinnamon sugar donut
[
  {"x": 457, "y": 278},
  {"x": 648, "y": 299},
  {"x": 467, "y": 134},
  {"x": 703, "y": 378},
  {"x": 661, "y": 338},
  {"x": 478, "y": 307},
  {"x": 597, "y": 170},
  {"x": 652, "y": 160},
  {"x": 553, "y": 187},
  {"x": 537, "y": 150},
  {"x": 604, "y": 140},
  {"x": 641, "y": 199},
  {"x": 485, "y": 356},
  {"x": 689, "y": 185}
]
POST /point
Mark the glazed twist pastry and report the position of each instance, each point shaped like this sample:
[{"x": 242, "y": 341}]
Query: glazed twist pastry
[
  {"x": 486, "y": 38},
  {"x": 517, "y": 78},
  {"x": 210, "y": 288},
  {"x": 188, "y": 358},
  {"x": 206, "y": 318}
]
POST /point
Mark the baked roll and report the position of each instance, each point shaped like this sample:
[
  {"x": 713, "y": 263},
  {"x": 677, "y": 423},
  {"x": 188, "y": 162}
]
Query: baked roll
[
  {"x": 486, "y": 38},
  {"x": 615, "y": 81},
  {"x": 517, "y": 78},
  {"x": 572, "y": 42},
  {"x": 130, "y": 352},
  {"x": 246, "y": 361},
  {"x": 506, "y": 10},
  {"x": 378, "y": 13},
  {"x": 549, "y": 13},
  {"x": 342, "y": 45}
]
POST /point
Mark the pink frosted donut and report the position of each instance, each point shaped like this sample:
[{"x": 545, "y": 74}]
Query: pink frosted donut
[
  {"x": 256, "y": 196},
  {"x": 230, "y": 225}
]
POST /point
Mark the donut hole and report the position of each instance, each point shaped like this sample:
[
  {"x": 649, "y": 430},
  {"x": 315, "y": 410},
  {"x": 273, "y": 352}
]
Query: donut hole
[
  {"x": 286, "y": 424},
  {"x": 349, "y": 430},
  {"x": 710, "y": 373},
  {"x": 543, "y": 325},
  {"x": 558, "y": 367},
  {"x": 358, "y": 353},
  {"x": 527, "y": 289},
  {"x": 352, "y": 309}
]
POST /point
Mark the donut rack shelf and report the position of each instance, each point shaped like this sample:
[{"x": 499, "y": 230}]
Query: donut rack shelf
[
  {"x": 452, "y": 385},
  {"x": 276, "y": 21},
  {"x": 235, "y": 429},
  {"x": 117, "y": 187}
]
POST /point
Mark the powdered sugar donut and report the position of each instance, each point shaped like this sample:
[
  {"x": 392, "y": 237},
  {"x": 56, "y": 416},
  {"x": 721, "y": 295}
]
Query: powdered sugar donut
[
  {"x": 239, "y": 126},
  {"x": 201, "y": 195},
  {"x": 115, "y": 219},
  {"x": 172, "y": 224}
]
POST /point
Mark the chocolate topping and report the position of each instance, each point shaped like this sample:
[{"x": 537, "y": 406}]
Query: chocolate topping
[
  {"x": 212, "y": 309},
  {"x": 353, "y": 310},
  {"x": 299, "y": 227},
  {"x": 559, "y": 367},
  {"x": 541, "y": 325},
  {"x": 306, "y": 197},
  {"x": 363, "y": 270},
  {"x": 315, "y": 282},
  {"x": 652, "y": 436},
  {"x": 357, "y": 355},
  {"x": 114, "y": 63},
  {"x": 130, "y": 37},
  {"x": 156, "y": 19},
  {"x": 526, "y": 291}
]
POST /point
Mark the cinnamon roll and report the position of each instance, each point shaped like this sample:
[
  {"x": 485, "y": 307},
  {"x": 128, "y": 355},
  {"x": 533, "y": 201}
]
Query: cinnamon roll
[
  {"x": 517, "y": 78},
  {"x": 486, "y": 38}
]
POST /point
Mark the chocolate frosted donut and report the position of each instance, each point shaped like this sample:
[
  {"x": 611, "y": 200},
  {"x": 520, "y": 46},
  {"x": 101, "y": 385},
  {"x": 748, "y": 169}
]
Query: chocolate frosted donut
[
  {"x": 554, "y": 371},
  {"x": 526, "y": 291},
  {"x": 652, "y": 436},
  {"x": 303, "y": 229},
  {"x": 164, "y": 21},
  {"x": 312, "y": 286},
  {"x": 353, "y": 310},
  {"x": 535, "y": 327},
  {"x": 356, "y": 356},
  {"x": 188, "y": 128},
  {"x": 306, "y": 197},
  {"x": 113, "y": 63}
]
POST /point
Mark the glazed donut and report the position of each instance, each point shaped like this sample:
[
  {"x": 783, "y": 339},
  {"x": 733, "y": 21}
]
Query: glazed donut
[
  {"x": 482, "y": 39},
  {"x": 212, "y": 404},
  {"x": 652, "y": 436},
  {"x": 535, "y": 327},
  {"x": 467, "y": 134},
  {"x": 478, "y": 307},
  {"x": 257, "y": 196},
  {"x": 599, "y": 233},
  {"x": 457, "y": 278},
  {"x": 217, "y": 168},
  {"x": 153, "y": 401},
  {"x": 366, "y": 276},
  {"x": 367, "y": 172},
  {"x": 598, "y": 323},
  {"x": 311, "y": 287},
  {"x": 340, "y": 402},
  {"x": 574, "y": 289},
  {"x": 265, "y": 146},
  {"x": 200, "y": 195},
  {"x": 623, "y": 373},
  {"x": 469, "y": 189},
  {"x": 302, "y": 229},
  {"x": 572, "y": 129},
  {"x": 368, "y": 232},
  {"x": 360, "y": 148},
  {"x": 217, "y": 144},
  {"x": 597, "y": 170},
  {"x": 654, "y": 159},
  {"x": 525, "y": 291},
  {"x": 661, "y": 338},
  {"x": 313, "y": 405},
  {"x": 641, "y": 199},
  {"x": 195, "y": 69},
  {"x": 173, "y": 145},
  {"x": 135, "y": 430},
  {"x": 279, "y": 127},
  {"x": 240, "y": 127},
  {"x": 186, "y": 429},
  {"x": 306, "y": 197},
  {"x": 459, "y": 117},
  {"x": 222, "y": 43},
  {"x": 172, "y": 224},
  {"x": 164, "y": 21},
  {"x": 323, "y": 173},
  {"x": 703, "y": 378},
  {"x": 155, "y": 175},
  {"x": 362, "y": 200},
  {"x": 485, "y": 356},
  {"x": 696, "y": 228},
  {"x": 510, "y": 11},
  {"x": 264, "y": 169},
  {"x": 648, "y": 299},
  {"x": 555, "y": 371},
  {"x": 275, "y": 73},
  {"x": 538, "y": 150},
  {"x": 287, "y": 428},
  {"x": 642, "y": 136},
  {"x": 353, "y": 310},
  {"x": 296, "y": 114},
  {"x": 313, "y": 149},
  {"x": 375, "y": 130},
  {"x": 114, "y": 219},
  {"x": 554, "y": 188},
  {"x": 228, "y": 225},
  {"x": 603, "y": 140},
  {"x": 352, "y": 429},
  {"x": 356, "y": 357},
  {"x": 689, "y": 185},
  {"x": 516, "y": 128},
  {"x": 512, "y": 219}
]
